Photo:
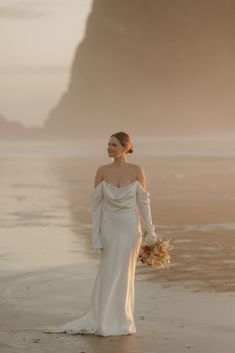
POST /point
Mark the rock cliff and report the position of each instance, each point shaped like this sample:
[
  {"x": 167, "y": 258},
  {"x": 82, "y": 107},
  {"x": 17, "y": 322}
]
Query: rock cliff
[{"x": 151, "y": 67}]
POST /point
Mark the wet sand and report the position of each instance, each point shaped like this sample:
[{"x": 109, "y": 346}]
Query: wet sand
[
  {"x": 48, "y": 266},
  {"x": 167, "y": 319}
]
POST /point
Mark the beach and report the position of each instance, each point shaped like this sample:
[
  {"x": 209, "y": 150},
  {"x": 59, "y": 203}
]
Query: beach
[{"x": 48, "y": 265}]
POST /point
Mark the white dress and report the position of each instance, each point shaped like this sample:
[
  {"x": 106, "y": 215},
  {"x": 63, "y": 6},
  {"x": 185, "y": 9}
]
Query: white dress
[{"x": 117, "y": 216}]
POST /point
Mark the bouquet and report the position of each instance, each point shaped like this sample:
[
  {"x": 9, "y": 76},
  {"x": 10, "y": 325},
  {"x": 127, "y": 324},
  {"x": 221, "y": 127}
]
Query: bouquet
[{"x": 155, "y": 253}]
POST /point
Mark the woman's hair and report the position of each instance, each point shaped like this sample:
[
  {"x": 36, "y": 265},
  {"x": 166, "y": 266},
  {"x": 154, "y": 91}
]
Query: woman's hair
[{"x": 124, "y": 140}]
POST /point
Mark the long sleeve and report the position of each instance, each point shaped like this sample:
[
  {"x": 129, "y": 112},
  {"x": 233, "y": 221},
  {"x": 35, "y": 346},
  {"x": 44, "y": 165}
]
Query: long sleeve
[
  {"x": 143, "y": 203},
  {"x": 96, "y": 199}
]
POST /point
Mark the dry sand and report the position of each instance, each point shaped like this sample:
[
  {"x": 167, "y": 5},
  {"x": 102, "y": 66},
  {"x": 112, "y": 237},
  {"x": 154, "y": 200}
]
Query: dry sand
[{"x": 48, "y": 266}]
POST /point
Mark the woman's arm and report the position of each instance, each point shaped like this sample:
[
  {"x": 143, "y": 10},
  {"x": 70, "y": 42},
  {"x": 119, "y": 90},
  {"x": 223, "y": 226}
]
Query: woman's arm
[
  {"x": 143, "y": 203},
  {"x": 141, "y": 177},
  {"x": 96, "y": 198},
  {"x": 99, "y": 176}
]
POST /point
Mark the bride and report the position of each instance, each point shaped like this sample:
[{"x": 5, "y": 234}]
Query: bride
[{"x": 120, "y": 204}]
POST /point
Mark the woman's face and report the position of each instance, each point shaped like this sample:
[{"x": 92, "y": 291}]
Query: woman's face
[{"x": 115, "y": 149}]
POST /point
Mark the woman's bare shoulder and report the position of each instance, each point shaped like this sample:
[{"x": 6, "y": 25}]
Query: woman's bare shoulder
[
  {"x": 102, "y": 167},
  {"x": 135, "y": 165},
  {"x": 138, "y": 168},
  {"x": 101, "y": 171},
  {"x": 140, "y": 175}
]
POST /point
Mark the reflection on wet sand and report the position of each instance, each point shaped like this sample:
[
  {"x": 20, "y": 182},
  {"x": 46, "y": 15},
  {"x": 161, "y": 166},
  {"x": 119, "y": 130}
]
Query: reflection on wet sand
[
  {"x": 48, "y": 266},
  {"x": 183, "y": 201},
  {"x": 45, "y": 215}
]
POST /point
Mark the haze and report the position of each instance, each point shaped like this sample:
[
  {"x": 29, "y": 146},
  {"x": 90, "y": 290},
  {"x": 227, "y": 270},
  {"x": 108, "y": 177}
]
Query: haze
[{"x": 38, "y": 42}]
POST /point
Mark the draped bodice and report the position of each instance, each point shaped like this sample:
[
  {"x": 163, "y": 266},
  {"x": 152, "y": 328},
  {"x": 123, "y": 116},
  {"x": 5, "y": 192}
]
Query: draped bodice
[
  {"x": 119, "y": 199},
  {"x": 107, "y": 198}
]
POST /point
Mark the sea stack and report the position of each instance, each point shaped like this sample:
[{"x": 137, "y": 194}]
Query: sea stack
[{"x": 151, "y": 67}]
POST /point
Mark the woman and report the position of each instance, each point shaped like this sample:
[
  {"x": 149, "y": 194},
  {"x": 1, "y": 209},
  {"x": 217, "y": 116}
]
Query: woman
[{"x": 119, "y": 204}]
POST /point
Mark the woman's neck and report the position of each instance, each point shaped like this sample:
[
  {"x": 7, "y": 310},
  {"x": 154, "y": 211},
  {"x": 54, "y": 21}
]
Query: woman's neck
[{"x": 120, "y": 161}]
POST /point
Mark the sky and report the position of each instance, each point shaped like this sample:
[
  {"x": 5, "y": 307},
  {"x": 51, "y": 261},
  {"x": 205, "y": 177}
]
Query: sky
[{"x": 38, "y": 42}]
